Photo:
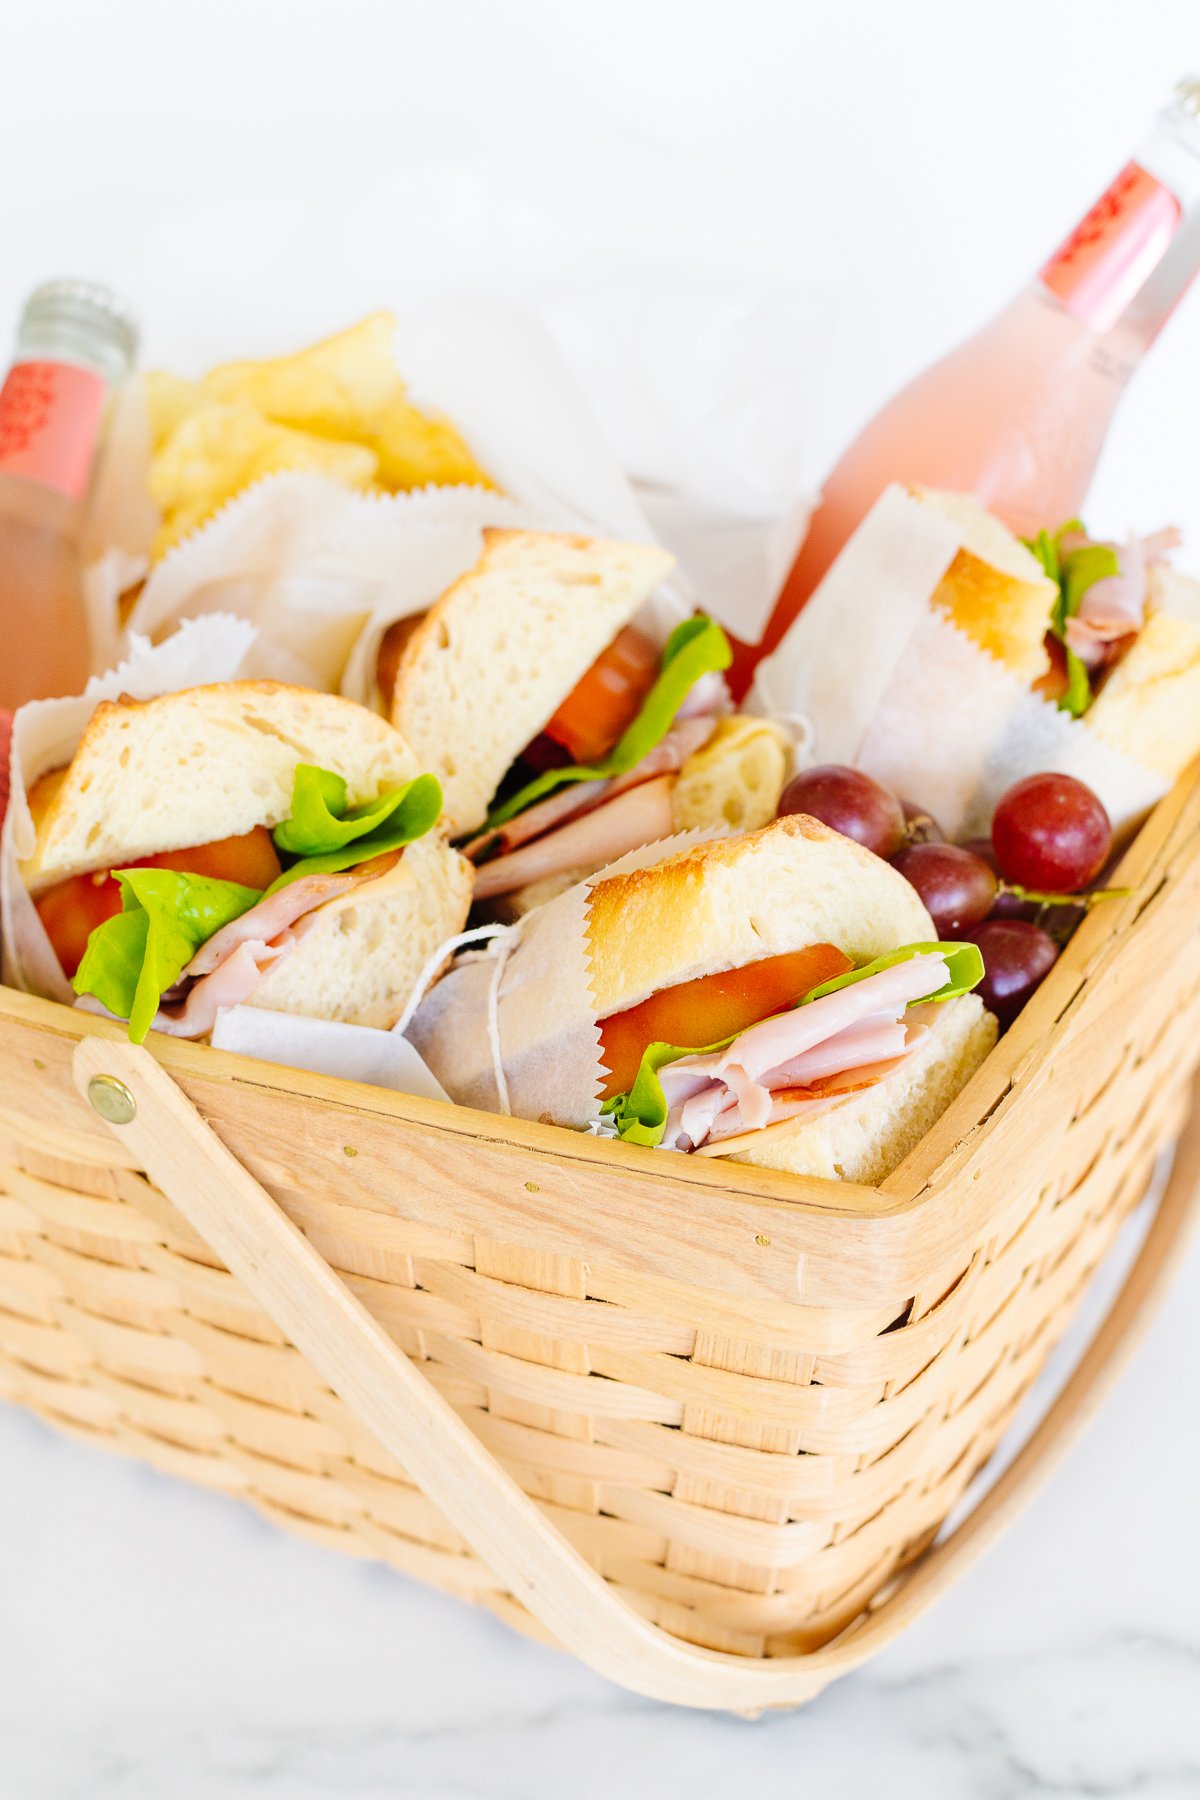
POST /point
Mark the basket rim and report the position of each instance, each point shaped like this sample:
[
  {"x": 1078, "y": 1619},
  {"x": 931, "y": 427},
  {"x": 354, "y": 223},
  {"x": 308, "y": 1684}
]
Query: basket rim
[{"x": 936, "y": 1163}]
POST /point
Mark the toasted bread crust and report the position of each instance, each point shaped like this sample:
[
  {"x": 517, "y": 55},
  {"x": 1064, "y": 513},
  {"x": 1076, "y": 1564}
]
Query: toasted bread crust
[
  {"x": 203, "y": 764},
  {"x": 731, "y": 901}
]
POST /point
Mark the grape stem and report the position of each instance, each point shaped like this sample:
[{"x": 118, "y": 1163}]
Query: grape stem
[{"x": 1035, "y": 897}]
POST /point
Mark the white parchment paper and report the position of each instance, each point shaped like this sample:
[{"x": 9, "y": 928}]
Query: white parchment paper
[
  {"x": 546, "y": 1033},
  {"x": 327, "y": 1047},
  {"x": 892, "y": 686},
  {"x": 45, "y": 736}
]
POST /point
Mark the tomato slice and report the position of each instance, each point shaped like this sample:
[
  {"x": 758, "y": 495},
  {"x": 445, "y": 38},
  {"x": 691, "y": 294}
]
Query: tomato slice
[
  {"x": 72, "y": 909},
  {"x": 713, "y": 1007},
  {"x": 607, "y": 699},
  {"x": 1053, "y": 684}
]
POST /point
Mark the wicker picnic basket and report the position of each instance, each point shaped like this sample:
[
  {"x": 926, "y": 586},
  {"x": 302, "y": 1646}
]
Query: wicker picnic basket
[{"x": 698, "y": 1423}]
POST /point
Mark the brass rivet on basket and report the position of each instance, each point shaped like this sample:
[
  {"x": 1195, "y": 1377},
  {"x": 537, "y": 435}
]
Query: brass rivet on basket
[
  {"x": 763, "y": 1240},
  {"x": 38, "y": 1063},
  {"x": 532, "y": 1187},
  {"x": 111, "y": 1099},
  {"x": 349, "y": 1150}
]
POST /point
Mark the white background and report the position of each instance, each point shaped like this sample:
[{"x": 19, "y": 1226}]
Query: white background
[
  {"x": 158, "y": 1641},
  {"x": 940, "y": 149}
]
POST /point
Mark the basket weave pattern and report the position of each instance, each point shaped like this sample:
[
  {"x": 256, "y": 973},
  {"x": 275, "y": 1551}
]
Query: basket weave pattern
[{"x": 748, "y": 1461}]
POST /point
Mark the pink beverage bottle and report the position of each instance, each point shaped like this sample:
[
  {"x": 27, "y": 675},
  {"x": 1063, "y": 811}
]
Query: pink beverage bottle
[
  {"x": 1018, "y": 413},
  {"x": 74, "y": 344}
]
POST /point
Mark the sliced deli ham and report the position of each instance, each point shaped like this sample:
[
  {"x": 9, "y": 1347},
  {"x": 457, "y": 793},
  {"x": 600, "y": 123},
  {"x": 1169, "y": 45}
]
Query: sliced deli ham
[
  {"x": 667, "y": 758},
  {"x": 1114, "y": 608},
  {"x": 817, "y": 1053},
  {"x": 230, "y": 966},
  {"x": 637, "y": 817}
]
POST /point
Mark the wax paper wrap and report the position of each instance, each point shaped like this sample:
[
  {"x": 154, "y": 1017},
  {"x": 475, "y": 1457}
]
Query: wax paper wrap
[
  {"x": 45, "y": 736},
  {"x": 525, "y": 1002},
  {"x": 888, "y": 683}
]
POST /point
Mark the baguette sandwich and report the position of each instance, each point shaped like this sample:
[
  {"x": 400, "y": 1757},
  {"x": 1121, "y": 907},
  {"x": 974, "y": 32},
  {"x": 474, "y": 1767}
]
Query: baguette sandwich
[
  {"x": 778, "y": 997},
  {"x": 563, "y": 735},
  {"x": 1107, "y": 632},
  {"x": 246, "y": 842}
]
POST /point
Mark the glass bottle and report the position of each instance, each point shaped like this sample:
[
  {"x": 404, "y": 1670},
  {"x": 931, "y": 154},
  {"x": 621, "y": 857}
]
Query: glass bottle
[
  {"x": 1018, "y": 413},
  {"x": 75, "y": 343}
]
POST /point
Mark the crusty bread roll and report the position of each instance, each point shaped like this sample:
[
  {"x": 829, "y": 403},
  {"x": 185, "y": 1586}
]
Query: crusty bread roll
[
  {"x": 362, "y": 958},
  {"x": 995, "y": 590},
  {"x": 794, "y": 884},
  {"x": 710, "y": 907},
  {"x": 206, "y": 763},
  {"x": 1149, "y": 706},
  {"x": 730, "y": 901},
  {"x": 209, "y": 763},
  {"x": 736, "y": 779},
  {"x": 493, "y": 659}
]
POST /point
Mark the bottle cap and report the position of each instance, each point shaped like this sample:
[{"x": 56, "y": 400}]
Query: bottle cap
[{"x": 84, "y": 311}]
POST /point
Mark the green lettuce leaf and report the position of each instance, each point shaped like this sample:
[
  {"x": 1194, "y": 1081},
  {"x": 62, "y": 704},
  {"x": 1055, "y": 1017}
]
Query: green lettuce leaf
[
  {"x": 696, "y": 647},
  {"x": 963, "y": 961},
  {"x": 1074, "y": 572},
  {"x": 641, "y": 1114},
  {"x": 327, "y": 836},
  {"x": 131, "y": 960}
]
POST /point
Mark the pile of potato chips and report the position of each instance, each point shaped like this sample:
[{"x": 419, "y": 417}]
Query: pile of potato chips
[{"x": 339, "y": 408}]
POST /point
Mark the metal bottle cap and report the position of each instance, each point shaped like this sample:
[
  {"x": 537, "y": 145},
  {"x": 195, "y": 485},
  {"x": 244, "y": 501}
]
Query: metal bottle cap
[{"x": 85, "y": 314}]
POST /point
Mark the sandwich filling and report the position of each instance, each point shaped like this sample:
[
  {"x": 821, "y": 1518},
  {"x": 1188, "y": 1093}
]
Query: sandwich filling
[
  {"x": 189, "y": 931},
  {"x": 605, "y": 762},
  {"x": 1100, "y": 609},
  {"x": 843, "y": 1035}
]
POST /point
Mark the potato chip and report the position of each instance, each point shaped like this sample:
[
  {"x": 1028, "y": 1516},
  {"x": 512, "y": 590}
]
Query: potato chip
[
  {"x": 169, "y": 398},
  {"x": 335, "y": 388},
  {"x": 216, "y": 451},
  {"x": 417, "y": 450},
  {"x": 340, "y": 408}
]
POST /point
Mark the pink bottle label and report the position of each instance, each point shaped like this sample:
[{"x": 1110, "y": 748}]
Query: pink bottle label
[
  {"x": 1114, "y": 248},
  {"x": 49, "y": 423}
]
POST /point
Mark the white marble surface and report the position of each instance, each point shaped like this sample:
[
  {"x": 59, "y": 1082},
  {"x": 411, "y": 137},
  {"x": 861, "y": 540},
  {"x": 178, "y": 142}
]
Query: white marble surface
[{"x": 157, "y": 1640}]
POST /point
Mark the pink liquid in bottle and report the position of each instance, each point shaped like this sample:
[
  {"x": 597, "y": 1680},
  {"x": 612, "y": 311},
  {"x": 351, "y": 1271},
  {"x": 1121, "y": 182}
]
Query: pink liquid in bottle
[
  {"x": 74, "y": 344},
  {"x": 1018, "y": 414}
]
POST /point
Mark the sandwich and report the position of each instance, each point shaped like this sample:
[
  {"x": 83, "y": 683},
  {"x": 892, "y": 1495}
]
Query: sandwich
[
  {"x": 242, "y": 843},
  {"x": 562, "y": 733},
  {"x": 1107, "y": 632},
  {"x": 779, "y": 997}
]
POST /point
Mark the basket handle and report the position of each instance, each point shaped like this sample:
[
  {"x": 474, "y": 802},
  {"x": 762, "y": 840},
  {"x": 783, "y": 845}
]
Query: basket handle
[{"x": 311, "y": 1304}]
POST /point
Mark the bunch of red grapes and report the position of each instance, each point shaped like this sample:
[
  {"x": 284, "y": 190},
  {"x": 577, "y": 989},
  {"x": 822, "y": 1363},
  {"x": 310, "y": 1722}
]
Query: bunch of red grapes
[{"x": 1014, "y": 893}]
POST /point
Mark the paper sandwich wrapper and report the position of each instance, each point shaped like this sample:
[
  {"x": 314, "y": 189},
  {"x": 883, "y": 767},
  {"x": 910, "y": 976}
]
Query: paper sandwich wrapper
[
  {"x": 320, "y": 570},
  {"x": 525, "y": 1004},
  {"x": 888, "y": 684}
]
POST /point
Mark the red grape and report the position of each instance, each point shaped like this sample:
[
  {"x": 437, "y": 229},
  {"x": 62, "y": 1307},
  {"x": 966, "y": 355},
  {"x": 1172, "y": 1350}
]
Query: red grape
[
  {"x": 1017, "y": 957},
  {"x": 920, "y": 826},
  {"x": 957, "y": 887},
  {"x": 1051, "y": 833},
  {"x": 850, "y": 802},
  {"x": 982, "y": 847}
]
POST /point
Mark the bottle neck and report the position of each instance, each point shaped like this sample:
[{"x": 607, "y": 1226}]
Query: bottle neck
[
  {"x": 1124, "y": 268},
  {"x": 72, "y": 348}
]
